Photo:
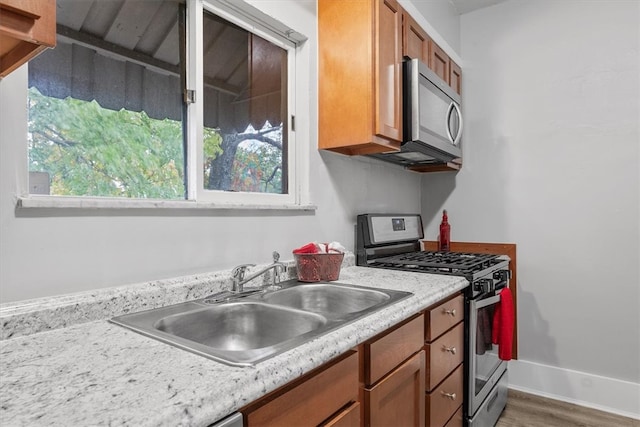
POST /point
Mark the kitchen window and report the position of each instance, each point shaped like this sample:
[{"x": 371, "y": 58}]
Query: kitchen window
[{"x": 171, "y": 100}]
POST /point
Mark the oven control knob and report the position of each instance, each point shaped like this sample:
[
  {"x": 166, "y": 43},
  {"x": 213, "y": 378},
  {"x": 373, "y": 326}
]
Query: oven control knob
[
  {"x": 484, "y": 285},
  {"x": 502, "y": 275}
]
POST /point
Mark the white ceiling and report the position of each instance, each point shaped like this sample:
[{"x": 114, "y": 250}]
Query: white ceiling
[{"x": 466, "y": 6}]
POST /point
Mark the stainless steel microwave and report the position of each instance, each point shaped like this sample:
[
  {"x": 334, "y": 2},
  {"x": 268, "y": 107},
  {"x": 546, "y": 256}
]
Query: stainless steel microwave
[{"x": 432, "y": 119}]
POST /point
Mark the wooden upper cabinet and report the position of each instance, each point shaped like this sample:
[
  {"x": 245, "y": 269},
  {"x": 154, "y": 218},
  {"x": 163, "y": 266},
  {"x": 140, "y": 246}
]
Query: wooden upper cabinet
[
  {"x": 27, "y": 27},
  {"x": 388, "y": 76},
  {"x": 439, "y": 62},
  {"x": 455, "y": 77},
  {"x": 361, "y": 44},
  {"x": 415, "y": 41},
  {"x": 359, "y": 76}
]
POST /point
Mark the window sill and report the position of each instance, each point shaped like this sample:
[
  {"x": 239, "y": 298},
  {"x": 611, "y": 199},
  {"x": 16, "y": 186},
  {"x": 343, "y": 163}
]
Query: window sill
[{"x": 90, "y": 203}]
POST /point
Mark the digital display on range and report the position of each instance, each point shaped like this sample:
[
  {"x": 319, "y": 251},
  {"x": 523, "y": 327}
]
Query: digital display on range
[{"x": 397, "y": 224}]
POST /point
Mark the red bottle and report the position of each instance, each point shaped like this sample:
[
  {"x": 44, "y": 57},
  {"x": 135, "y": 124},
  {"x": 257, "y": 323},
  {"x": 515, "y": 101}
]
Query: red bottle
[{"x": 445, "y": 231}]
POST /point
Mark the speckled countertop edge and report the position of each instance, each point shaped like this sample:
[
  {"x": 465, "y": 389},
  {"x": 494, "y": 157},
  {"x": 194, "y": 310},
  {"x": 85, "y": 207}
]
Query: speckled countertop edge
[
  {"x": 43, "y": 314},
  {"x": 97, "y": 373}
]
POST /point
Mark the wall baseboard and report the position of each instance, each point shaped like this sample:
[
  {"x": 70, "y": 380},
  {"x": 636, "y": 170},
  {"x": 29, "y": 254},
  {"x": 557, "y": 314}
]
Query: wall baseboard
[{"x": 593, "y": 391}]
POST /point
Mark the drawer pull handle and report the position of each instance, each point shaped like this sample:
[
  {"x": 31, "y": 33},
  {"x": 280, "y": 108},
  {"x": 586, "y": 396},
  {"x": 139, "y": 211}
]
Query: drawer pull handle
[
  {"x": 450, "y": 312},
  {"x": 451, "y": 396},
  {"x": 451, "y": 350}
]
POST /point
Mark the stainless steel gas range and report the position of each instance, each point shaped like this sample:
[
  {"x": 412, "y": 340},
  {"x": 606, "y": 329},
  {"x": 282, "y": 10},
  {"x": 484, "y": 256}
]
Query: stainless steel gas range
[{"x": 393, "y": 242}]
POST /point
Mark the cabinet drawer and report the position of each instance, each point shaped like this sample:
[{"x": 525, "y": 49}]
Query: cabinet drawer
[
  {"x": 444, "y": 355},
  {"x": 398, "y": 400},
  {"x": 349, "y": 417},
  {"x": 443, "y": 402},
  {"x": 444, "y": 316},
  {"x": 385, "y": 353},
  {"x": 456, "y": 420},
  {"x": 311, "y": 401}
]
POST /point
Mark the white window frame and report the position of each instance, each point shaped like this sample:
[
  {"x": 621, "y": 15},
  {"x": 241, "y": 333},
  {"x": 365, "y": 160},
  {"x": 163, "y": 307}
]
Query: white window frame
[
  {"x": 297, "y": 197},
  {"x": 195, "y": 121}
]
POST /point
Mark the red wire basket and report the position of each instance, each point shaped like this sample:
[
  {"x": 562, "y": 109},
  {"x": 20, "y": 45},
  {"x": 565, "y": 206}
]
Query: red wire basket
[{"x": 318, "y": 267}]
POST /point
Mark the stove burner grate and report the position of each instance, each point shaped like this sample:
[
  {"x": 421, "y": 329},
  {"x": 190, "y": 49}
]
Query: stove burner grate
[{"x": 454, "y": 263}]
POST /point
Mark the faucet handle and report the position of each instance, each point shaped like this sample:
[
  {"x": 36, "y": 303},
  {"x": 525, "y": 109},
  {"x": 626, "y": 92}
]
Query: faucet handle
[{"x": 239, "y": 271}]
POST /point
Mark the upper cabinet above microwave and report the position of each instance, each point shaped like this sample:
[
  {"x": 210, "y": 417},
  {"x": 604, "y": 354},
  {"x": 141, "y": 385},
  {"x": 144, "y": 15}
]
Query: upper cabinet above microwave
[
  {"x": 361, "y": 46},
  {"x": 27, "y": 27},
  {"x": 416, "y": 43}
]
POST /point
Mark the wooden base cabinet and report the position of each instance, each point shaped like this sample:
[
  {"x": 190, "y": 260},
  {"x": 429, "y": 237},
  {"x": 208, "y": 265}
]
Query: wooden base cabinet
[
  {"x": 393, "y": 379},
  {"x": 397, "y": 399},
  {"x": 444, "y": 375},
  {"x": 325, "y": 396},
  {"x": 393, "y": 376}
]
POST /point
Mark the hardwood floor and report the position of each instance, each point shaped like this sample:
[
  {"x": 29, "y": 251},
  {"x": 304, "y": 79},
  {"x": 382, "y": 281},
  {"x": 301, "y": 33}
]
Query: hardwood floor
[{"x": 527, "y": 410}]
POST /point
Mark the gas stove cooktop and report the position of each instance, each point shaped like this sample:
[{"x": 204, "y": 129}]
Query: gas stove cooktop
[
  {"x": 449, "y": 263},
  {"x": 393, "y": 242}
]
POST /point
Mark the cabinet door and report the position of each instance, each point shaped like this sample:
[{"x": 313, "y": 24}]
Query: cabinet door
[
  {"x": 398, "y": 400},
  {"x": 439, "y": 62},
  {"x": 388, "y": 70},
  {"x": 415, "y": 41},
  {"x": 455, "y": 77}
]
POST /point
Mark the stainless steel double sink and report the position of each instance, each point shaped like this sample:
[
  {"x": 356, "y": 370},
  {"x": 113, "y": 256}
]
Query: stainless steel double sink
[{"x": 244, "y": 330}]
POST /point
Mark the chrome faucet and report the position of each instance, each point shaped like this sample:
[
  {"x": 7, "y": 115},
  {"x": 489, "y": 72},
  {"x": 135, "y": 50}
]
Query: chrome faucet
[{"x": 238, "y": 273}]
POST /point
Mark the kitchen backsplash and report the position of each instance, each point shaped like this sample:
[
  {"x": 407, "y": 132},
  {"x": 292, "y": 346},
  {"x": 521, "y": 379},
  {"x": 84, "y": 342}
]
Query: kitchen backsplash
[{"x": 37, "y": 315}]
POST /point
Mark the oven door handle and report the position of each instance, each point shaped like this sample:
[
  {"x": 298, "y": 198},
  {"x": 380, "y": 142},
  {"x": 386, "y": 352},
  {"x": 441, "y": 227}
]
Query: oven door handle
[{"x": 485, "y": 302}]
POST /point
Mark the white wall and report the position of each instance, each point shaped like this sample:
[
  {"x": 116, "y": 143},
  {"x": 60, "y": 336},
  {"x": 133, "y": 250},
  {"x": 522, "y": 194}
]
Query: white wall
[
  {"x": 48, "y": 252},
  {"x": 551, "y": 93}
]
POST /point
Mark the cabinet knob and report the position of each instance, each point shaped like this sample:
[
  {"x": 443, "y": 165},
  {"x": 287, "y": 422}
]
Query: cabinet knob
[
  {"x": 452, "y": 312},
  {"x": 451, "y": 350},
  {"x": 451, "y": 396}
]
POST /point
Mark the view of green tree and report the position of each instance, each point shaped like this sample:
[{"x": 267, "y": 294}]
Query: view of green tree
[
  {"x": 258, "y": 169},
  {"x": 212, "y": 147},
  {"x": 93, "y": 151},
  {"x": 250, "y": 161},
  {"x": 88, "y": 150}
]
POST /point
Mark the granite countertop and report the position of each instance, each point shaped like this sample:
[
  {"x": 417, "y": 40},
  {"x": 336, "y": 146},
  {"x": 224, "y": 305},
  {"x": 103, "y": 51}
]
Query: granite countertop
[{"x": 98, "y": 373}]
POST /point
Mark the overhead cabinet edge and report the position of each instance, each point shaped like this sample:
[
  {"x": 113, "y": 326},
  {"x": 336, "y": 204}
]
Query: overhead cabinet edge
[
  {"x": 27, "y": 28},
  {"x": 360, "y": 111}
]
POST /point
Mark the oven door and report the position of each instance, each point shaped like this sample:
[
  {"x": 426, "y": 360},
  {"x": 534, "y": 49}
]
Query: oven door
[{"x": 485, "y": 367}]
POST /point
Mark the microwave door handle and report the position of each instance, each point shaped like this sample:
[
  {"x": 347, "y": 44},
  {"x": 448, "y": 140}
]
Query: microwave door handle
[
  {"x": 447, "y": 121},
  {"x": 459, "y": 135}
]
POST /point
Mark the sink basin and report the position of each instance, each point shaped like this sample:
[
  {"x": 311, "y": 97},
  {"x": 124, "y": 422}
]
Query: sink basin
[
  {"x": 240, "y": 326},
  {"x": 242, "y": 330},
  {"x": 331, "y": 300}
]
